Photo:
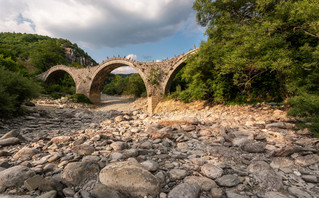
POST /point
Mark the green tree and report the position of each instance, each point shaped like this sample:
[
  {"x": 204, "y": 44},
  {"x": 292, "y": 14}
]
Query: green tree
[
  {"x": 135, "y": 86},
  {"x": 257, "y": 50},
  {"x": 8, "y": 63},
  {"x": 47, "y": 54},
  {"x": 14, "y": 90},
  {"x": 129, "y": 84}
]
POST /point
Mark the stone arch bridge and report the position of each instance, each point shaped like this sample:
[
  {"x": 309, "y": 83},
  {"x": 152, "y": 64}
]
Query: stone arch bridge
[{"x": 157, "y": 76}]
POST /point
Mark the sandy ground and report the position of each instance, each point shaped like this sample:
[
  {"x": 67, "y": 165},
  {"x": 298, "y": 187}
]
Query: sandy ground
[{"x": 121, "y": 103}]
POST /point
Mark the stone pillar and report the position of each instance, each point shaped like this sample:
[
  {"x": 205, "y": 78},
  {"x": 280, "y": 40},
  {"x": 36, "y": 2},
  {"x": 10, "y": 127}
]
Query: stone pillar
[
  {"x": 152, "y": 103},
  {"x": 84, "y": 88},
  {"x": 95, "y": 98}
]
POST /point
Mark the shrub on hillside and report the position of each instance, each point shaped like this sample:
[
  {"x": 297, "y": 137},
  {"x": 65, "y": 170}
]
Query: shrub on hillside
[
  {"x": 14, "y": 90},
  {"x": 306, "y": 106}
]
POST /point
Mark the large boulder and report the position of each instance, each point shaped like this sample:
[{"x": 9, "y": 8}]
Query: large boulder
[
  {"x": 14, "y": 177},
  {"x": 130, "y": 178},
  {"x": 307, "y": 160},
  {"x": 10, "y": 141},
  {"x": 26, "y": 152},
  {"x": 77, "y": 173},
  {"x": 265, "y": 175},
  {"x": 13, "y": 133}
]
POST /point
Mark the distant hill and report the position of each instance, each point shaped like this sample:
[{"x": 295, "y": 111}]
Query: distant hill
[{"x": 35, "y": 54}]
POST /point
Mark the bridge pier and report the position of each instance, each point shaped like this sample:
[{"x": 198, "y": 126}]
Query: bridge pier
[{"x": 152, "y": 102}]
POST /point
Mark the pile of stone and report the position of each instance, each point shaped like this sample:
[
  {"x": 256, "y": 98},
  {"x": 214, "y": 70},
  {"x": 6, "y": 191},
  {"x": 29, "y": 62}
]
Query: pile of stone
[{"x": 236, "y": 152}]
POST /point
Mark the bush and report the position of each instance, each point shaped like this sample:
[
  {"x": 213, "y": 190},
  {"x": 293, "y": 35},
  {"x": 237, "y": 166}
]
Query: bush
[
  {"x": 79, "y": 98},
  {"x": 135, "y": 86},
  {"x": 64, "y": 86},
  {"x": 14, "y": 90},
  {"x": 306, "y": 106},
  {"x": 131, "y": 84}
]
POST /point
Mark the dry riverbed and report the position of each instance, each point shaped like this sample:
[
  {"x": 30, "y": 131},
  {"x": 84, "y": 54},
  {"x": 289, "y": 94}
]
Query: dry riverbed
[{"x": 61, "y": 149}]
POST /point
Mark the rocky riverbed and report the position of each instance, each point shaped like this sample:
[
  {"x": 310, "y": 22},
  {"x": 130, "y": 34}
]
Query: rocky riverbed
[{"x": 59, "y": 150}]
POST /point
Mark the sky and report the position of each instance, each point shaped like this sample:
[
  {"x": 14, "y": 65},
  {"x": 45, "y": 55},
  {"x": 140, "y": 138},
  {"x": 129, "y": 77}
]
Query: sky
[{"x": 145, "y": 30}]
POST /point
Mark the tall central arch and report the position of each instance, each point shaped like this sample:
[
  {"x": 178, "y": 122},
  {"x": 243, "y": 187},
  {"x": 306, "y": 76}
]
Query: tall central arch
[{"x": 100, "y": 74}]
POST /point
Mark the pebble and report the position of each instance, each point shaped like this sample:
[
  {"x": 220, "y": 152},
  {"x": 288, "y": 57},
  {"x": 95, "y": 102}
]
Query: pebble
[
  {"x": 177, "y": 174},
  {"x": 228, "y": 181}
]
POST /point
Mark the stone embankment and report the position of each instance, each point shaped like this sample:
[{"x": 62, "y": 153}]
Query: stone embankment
[{"x": 236, "y": 152}]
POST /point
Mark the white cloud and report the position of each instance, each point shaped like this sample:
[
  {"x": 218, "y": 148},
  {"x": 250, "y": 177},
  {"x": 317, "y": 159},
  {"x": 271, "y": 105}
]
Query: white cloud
[
  {"x": 132, "y": 56},
  {"x": 97, "y": 23},
  {"x": 124, "y": 70},
  {"x": 9, "y": 17}
]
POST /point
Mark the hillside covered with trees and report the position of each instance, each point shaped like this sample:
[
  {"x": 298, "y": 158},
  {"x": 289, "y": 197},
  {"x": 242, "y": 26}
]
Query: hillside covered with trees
[
  {"x": 34, "y": 54},
  {"x": 25, "y": 55}
]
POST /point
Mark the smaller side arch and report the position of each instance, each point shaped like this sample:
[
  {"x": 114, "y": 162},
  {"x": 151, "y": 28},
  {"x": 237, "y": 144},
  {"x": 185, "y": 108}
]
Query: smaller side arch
[
  {"x": 56, "y": 72},
  {"x": 175, "y": 69}
]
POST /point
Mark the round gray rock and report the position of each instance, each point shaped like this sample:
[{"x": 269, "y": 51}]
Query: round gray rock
[
  {"x": 228, "y": 181},
  {"x": 176, "y": 174},
  {"x": 185, "y": 190},
  {"x": 150, "y": 165},
  {"x": 265, "y": 175},
  {"x": 77, "y": 173},
  {"x": 26, "y": 152},
  {"x": 102, "y": 191},
  {"x": 130, "y": 178},
  {"x": 254, "y": 147},
  {"x": 211, "y": 171},
  {"x": 204, "y": 182},
  {"x": 14, "y": 177},
  {"x": 83, "y": 149}
]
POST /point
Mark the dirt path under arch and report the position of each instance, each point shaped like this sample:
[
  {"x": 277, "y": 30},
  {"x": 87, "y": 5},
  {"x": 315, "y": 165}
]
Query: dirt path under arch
[{"x": 122, "y": 103}]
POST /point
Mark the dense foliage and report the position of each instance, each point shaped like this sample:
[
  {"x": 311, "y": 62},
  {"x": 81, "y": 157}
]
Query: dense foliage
[
  {"x": 131, "y": 84},
  {"x": 79, "y": 98},
  {"x": 14, "y": 90},
  {"x": 257, "y": 50},
  {"x": 36, "y": 54},
  {"x": 24, "y": 55},
  {"x": 62, "y": 87}
]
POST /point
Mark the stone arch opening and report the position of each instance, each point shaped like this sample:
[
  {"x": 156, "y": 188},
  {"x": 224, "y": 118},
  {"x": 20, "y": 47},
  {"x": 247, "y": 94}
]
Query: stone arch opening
[
  {"x": 177, "y": 67},
  {"x": 60, "y": 83},
  {"x": 100, "y": 75},
  {"x": 169, "y": 82}
]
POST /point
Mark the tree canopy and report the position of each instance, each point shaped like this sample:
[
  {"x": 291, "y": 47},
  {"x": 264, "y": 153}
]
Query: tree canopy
[
  {"x": 35, "y": 53},
  {"x": 256, "y": 50}
]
